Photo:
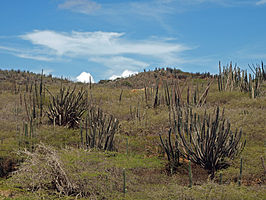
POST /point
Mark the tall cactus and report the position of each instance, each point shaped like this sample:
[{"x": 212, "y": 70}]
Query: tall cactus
[
  {"x": 231, "y": 79},
  {"x": 100, "y": 129},
  {"x": 171, "y": 150},
  {"x": 170, "y": 95},
  {"x": 41, "y": 97}
]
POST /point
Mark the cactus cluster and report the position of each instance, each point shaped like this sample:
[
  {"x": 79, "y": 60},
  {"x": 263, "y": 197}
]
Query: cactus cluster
[
  {"x": 234, "y": 78},
  {"x": 27, "y": 138},
  {"x": 205, "y": 140},
  {"x": 33, "y": 106},
  {"x": 172, "y": 95},
  {"x": 34, "y": 100},
  {"x": 100, "y": 129},
  {"x": 136, "y": 113},
  {"x": 67, "y": 107}
]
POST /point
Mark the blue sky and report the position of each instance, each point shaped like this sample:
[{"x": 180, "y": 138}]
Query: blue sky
[{"x": 105, "y": 38}]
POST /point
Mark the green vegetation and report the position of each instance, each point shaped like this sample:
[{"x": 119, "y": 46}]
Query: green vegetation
[{"x": 106, "y": 144}]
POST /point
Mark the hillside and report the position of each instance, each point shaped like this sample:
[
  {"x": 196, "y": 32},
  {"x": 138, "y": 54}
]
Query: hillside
[{"x": 66, "y": 140}]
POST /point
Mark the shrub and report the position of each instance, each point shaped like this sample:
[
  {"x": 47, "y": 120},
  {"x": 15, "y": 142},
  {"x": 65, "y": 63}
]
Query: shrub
[
  {"x": 104, "y": 81},
  {"x": 126, "y": 83}
]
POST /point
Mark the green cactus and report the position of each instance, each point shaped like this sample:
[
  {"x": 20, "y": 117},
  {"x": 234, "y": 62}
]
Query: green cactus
[
  {"x": 124, "y": 181},
  {"x": 67, "y": 107},
  {"x": 100, "y": 129},
  {"x": 172, "y": 151},
  {"x": 190, "y": 174},
  {"x": 239, "y": 79},
  {"x": 81, "y": 135},
  {"x": 240, "y": 172},
  {"x": 220, "y": 179},
  {"x": 206, "y": 140},
  {"x": 156, "y": 98}
]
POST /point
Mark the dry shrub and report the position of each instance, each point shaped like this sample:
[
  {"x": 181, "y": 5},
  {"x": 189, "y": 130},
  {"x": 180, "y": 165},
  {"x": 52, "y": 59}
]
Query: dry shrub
[
  {"x": 69, "y": 172},
  {"x": 43, "y": 169}
]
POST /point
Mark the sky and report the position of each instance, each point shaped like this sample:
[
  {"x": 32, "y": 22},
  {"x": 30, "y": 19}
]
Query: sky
[{"x": 108, "y": 39}]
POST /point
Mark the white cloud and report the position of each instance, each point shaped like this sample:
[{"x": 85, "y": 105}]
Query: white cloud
[
  {"x": 85, "y": 77},
  {"x": 125, "y": 74},
  {"x": 8, "y": 48},
  {"x": 110, "y": 49},
  {"x": 261, "y": 2},
  {"x": 80, "y": 6},
  {"x": 99, "y": 44},
  {"x": 24, "y": 53},
  {"x": 41, "y": 58},
  {"x": 159, "y": 8}
]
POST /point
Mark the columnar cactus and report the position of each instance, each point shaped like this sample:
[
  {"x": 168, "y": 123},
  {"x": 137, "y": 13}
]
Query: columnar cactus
[
  {"x": 100, "y": 129},
  {"x": 206, "y": 140},
  {"x": 67, "y": 107},
  {"x": 231, "y": 79}
]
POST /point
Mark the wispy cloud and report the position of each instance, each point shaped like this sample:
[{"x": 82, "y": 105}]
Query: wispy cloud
[
  {"x": 154, "y": 10},
  {"x": 28, "y": 54},
  {"x": 261, "y": 2},
  {"x": 99, "y": 43},
  {"x": 250, "y": 53},
  {"x": 111, "y": 49},
  {"x": 40, "y": 58},
  {"x": 218, "y": 2},
  {"x": 80, "y": 6},
  {"x": 157, "y": 8}
]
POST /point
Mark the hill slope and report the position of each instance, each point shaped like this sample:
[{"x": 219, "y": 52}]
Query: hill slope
[{"x": 59, "y": 162}]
